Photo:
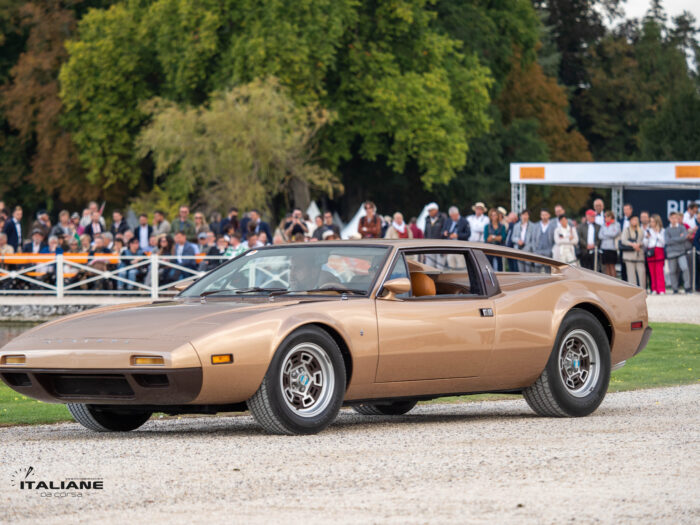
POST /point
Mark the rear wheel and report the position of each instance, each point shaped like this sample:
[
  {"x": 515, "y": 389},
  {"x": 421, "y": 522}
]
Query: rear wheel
[
  {"x": 99, "y": 419},
  {"x": 304, "y": 386},
  {"x": 395, "y": 408},
  {"x": 575, "y": 379}
]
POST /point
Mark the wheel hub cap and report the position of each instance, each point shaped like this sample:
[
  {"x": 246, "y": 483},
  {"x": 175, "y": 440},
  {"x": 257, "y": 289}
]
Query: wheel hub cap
[
  {"x": 579, "y": 363},
  {"x": 306, "y": 379}
]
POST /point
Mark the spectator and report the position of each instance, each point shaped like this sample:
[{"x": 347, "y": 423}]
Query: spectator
[
  {"x": 160, "y": 225},
  {"x": 217, "y": 250},
  {"x": 675, "y": 237},
  {"x": 253, "y": 242},
  {"x": 200, "y": 225},
  {"x": 415, "y": 230},
  {"x": 644, "y": 221},
  {"x": 95, "y": 227},
  {"x": 689, "y": 217},
  {"x": 13, "y": 229},
  {"x": 398, "y": 228},
  {"x": 565, "y": 241},
  {"x": 85, "y": 219},
  {"x": 624, "y": 221},
  {"x": 42, "y": 223},
  {"x": 495, "y": 233},
  {"x": 85, "y": 242},
  {"x": 75, "y": 223},
  {"x": 5, "y": 248},
  {"x": 255, "y": 221},
  {"x": 131, "y": 255},
  {"x": 511, "y": 221},
  {"x": 386, "y": 222},
  {"x": 327, "y": 226},
  {"x": 108, "y": 240},
  {"x": 73, "y": 245},
  {"x": 370, "y": 226},
  {"x": 558, "y": 212},
  {"x": 119, "y": 225},
  {"x": 88, "y": 215},
  {"x": 184, "y": 224},
  {"x": 434, "y": 222},
  {"x": 37, "y": 243},
  {"x": 477, "y": 222},
  {"x": 201, "y": 243},
  {"x": 456, "y": 227},
  {"x": 502, "y": 212},
  {"x": 654, "y": 243},
  {"x": 143, "y": 233},
  {"x": 236, "y": 247},
  {"x": 231, "y": 219},
  {"x": 588, "y": 241},
  {"x": 215, "y": 223},
  {"x": 152, "y": 245},
  {"x": 599, "y": 208},
  {"x": 53, "y": 245},
  {"x": 64, "y": 228},
  {"x": 524, "y": 238},
  {"x": 184, "y": 252},
  {"x": 330, "y": 235},
  {"x": 317, "y": 225},
  {"x": 632, "y": 246},
  {"x": 608, "y": 235},
  {"x": 696, "y": 245},
  {"x": 544, "y": 236}
]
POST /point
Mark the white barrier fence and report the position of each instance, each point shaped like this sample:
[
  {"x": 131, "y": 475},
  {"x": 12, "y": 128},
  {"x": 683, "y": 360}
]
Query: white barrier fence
[{"x": 62, "y": 275}]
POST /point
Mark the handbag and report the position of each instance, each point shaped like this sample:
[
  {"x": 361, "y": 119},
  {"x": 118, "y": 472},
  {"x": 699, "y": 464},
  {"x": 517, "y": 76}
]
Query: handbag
[{"x": 649, "y": 253}]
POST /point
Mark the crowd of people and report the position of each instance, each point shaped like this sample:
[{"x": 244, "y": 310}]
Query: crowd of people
[{"x": 640, "y": 244}]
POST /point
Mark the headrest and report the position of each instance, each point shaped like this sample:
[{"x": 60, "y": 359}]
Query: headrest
[{"x": 422, "y": 285}]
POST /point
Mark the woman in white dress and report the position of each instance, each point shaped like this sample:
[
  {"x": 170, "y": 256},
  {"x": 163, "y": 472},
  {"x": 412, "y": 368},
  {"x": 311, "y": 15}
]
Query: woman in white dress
[{"x": 565, "y": 240}]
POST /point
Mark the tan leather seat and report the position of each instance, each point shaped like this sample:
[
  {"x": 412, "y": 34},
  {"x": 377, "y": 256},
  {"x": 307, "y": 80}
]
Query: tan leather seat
[{"x": 422, "y": 285}]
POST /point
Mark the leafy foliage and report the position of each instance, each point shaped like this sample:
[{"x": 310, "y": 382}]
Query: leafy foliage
[{"x": 251, "y": 142}]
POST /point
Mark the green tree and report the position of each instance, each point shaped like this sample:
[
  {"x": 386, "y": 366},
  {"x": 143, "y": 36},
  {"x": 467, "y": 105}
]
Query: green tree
[
  {"x": 252, "y": 142},
  {"x": 674, "y": 132}
]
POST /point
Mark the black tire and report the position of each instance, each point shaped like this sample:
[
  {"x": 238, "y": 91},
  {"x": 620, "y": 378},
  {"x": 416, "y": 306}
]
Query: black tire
[
  {"x": 94, "y": 417},
  {"x": 550, "y": 395},
  {"x": 270, "y": 405},
  {"x": 395, "y": 408}
]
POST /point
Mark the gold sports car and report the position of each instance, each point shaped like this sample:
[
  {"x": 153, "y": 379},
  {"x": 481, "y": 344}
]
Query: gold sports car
[{"x": 294, "y": 332}]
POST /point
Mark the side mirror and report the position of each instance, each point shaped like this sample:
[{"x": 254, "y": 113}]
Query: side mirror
[{"x": 396, "y": 287}]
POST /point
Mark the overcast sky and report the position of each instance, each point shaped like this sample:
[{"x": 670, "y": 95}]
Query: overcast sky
[{"x": 637, "y": 8}]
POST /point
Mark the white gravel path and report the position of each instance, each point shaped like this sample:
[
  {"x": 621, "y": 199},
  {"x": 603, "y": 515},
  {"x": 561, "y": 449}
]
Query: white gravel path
[
  {"x": 636, "y": 460},
  {"x": 674, "y": 308}
]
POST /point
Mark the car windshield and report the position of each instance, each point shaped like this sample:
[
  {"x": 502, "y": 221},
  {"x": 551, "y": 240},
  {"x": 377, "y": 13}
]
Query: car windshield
[{"x": 295, "y": 269}]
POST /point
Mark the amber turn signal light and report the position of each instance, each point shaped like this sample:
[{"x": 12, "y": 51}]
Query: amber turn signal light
[
  {"x": 637, "y": 325},
  {"x": 144, "y": 360},
  {"x": 221, "y": 359},
  {"x": 14, "y": 360}
]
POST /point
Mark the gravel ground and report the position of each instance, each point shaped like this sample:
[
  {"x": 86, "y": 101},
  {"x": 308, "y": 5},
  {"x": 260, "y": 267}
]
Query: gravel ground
[
  {"x": 674, "y": 308},
  {"x": 632, "y": 461}
]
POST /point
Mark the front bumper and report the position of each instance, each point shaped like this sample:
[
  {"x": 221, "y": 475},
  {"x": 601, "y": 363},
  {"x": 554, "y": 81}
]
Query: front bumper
[{"x": 106, "y": 386}]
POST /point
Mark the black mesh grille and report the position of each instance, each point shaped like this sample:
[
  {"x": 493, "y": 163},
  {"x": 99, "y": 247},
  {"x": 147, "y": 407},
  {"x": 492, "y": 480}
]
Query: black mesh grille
[{"x": 67, "y": 385}]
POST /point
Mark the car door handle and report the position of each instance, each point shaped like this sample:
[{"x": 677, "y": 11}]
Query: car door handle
[{"x": 486, "y": 312}]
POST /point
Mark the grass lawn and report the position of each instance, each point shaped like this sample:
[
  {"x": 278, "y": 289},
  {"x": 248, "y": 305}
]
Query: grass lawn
[{"x": 671, "y": 358}]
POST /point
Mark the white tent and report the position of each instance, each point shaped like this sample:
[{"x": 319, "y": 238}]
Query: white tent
[
  {"x": 350, "y": 228},
  {"x": 312, "y": 211},
  {"x": 420, "y": 222}
]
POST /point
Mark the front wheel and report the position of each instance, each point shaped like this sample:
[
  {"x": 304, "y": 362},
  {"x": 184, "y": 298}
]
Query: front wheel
[
  {"x": 395, "y": 408},
  {"x": 576, "y": 377},
  {"x": 103, "y": 419},
  {"x": 304, "y": 387}
]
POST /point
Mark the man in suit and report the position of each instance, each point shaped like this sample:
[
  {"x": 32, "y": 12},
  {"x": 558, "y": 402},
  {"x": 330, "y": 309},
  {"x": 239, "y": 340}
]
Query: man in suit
[
  {"x": 184, "y": 252},
  {"x": 13, "y": 229},
  {"x": 254, "y": 223},
  {"x": 523, "y": 238},
  {"x": 119, "y": 225},
  {"x": 434, "y": 222},
  {"x": 588, "y": 240},
  {"x": 456, "y": 227},
  {"x": 231, "y": 219},
  {"x": 143, "y": 233},
  {"x": 544, "y": 237},
  {"x": 95, "y": 227},
  {"x": 36, "y": 245},
  {"x": 624, "y": 222}
]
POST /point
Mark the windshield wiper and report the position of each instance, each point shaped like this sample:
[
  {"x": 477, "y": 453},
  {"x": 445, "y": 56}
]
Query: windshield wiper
[
  {"x": 242, "y": 290},
  {"x": 338, "y": 289}
]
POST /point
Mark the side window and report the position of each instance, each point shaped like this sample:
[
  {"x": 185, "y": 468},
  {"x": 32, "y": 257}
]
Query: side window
[
  {"x": 443, "y": 272},
  {"x": 400, "y": 270}
]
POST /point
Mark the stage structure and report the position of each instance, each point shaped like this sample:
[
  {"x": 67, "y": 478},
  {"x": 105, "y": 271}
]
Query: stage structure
[{"x": 614, "y": 175}]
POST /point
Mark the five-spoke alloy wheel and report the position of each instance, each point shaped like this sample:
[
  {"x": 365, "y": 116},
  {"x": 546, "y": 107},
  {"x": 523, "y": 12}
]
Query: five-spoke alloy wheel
[{"x": 576, "y": 377}]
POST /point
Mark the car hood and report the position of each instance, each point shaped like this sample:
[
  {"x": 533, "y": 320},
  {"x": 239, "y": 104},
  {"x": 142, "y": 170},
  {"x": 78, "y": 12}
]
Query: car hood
[{"x": 163, "y": 323}]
